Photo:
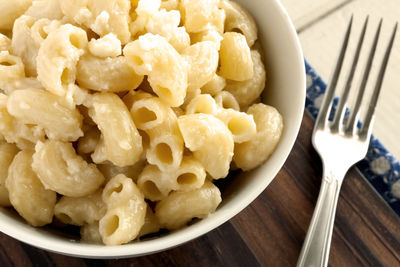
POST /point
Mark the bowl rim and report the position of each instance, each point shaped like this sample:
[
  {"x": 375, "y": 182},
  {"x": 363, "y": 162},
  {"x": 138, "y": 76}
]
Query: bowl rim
[{"x": 36, "y": 238}]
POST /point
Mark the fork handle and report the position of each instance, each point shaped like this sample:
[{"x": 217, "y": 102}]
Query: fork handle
[{"x": 315, "y": 250}]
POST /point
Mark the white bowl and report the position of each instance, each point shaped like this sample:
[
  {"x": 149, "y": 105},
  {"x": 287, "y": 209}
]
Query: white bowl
[{"x": 285, "y": 91}]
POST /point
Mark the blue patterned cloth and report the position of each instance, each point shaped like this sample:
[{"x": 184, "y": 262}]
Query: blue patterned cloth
[{"x": 379, "y": 166}]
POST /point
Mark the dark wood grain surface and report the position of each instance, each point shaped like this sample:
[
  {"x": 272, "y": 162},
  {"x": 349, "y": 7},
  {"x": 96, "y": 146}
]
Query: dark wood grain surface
[{"x": 271, "y": 230}]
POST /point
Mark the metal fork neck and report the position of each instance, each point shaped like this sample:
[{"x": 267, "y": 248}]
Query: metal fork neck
[{"x": 315, "y": 251}]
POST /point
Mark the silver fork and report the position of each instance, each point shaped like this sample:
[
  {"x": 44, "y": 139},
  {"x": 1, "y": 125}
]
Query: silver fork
[{"x": 340, "y": 143}]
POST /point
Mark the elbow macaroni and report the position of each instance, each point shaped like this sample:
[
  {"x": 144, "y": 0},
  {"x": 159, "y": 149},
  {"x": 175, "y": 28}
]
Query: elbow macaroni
[
  {"x": 110, "y": 170},
  {"x": 107, "y": 46},
  {"x": 240, "y": 124},
  {"x": 252, "y": 153},
  {"x": 179, "y": 208},
  {"x": 202, "y": 58},
  {"x": 122, "y": 141},
  {"x": 49, "y": 9},
  {"x": 149, "y": 18},
  {"x": 57, "y": 58},
  {"x": 246, "y": 92},
  {"x": 23, "y": 45},
  {"x": 101, "y": 16},
  {"x": 235, "y": 58},
  {"x": 88, "y": 142},
  {"x": 126, "y": 211},
  {"x": 90, "y": 233},
  {"x": 27, "y": 194},
  {"x": 165, "y": 143},
  {"x": 120, "y": 75},
  {"x": 15, "y": 131},
  {"x": 151, "y": 224},
  {"x": 201, "y": 14},
  {"x": 226, "y": 100},
  {"x": 202, "y": 103},
  {"x": 238, "y": 19},
  {"x": 39, "y": 107},
  {"x": 118, "y": 115},
  {"x": 5, "y": 43},
  {"x": 156, "y": 184},
  {"x": 11, "y": 70},
  {"x": 11, "y": 10},
  {"x": 210, "y": 141},
  {"x": 152, "y": 55},
  {"x": 80, "y": 210},
  {"x": 149, "y": 113},
  {"x": 60, "y": 169},
  {"x": 7, "y": 154}
]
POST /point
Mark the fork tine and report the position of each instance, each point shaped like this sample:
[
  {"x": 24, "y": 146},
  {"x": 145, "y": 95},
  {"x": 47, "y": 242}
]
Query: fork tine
[
  {"x": 327, "y": 101},
  {"x": 352, "y": 123},
  {"x": 368, "y": 121},
  {"x": 340, "y": 111}
]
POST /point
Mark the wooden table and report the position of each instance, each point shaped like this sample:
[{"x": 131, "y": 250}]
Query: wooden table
[{"x": 271, "y": 230}]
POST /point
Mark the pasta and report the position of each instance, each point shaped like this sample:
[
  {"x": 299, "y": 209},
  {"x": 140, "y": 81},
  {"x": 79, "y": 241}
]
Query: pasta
[
  {"x": 90, "y": 233},
  {"x": 11, "y": 70},
  {"x": 5, "y": 43},
  {"x": 57, "y": 58},
  {"x": 23, "y": 43},
  {"x": 11, "y": 10},
  {"x": 202, "y": 58},
  {"x": 87, "y": 143},
  {"x": 117, "y": 116},
  {"x": 226, "y": 100},
  {"x": 210, "y": 141},
  {"x": 152, "y": 55},
  {"x": 152, "y": 183},
  {"x": 179, "y": 208},
  {"x": 234, "y": 49},
  {"x": 170, "y": 4},
  {"x": 107, "y": 46},
  {"x": 120, "y": 75},
  {"x": 49, "y": 9},
  {"x": 41, "y": 29},
  {"x": 166, "y": 144},
  {"x": 99, "y": 155},
  {"x": 122, "y": 141},
  {"x": 149, "y": 113},
  {"x": 7, "y": 153},
  {"x": 238, "y": 19},
  {"x": 156, "y": 185},
  {"x": 190, "y": 175},
  {"x": 133, "y": 96},
  {"x": 211, "y": 35},
  {"x": 201, "y": 14},
  {"x": 110, "y": 170},
  {"x": 60, "y": 169},
  {"x": 39, "y": 107},
  {"x": 151, "y": 224},
  {"x": 23, "y": 83},
  {"x": 202, "y": 103},
  {"x": 246, "y": 92},
  {"x": 149, "y": 18},
  {"x": 118, "y": 189},
  {"x": 28, "y": 196},
  {"x": 101, "y": 16},
  {"x": 252, "y": 153},
  {"x": 214, "y": 86},
  {"x": 14, "y": 131},
  {"x": 126, "y": 211},
  {"x": 240, "y": 124},
  {"x": 80, "y": 210}
]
